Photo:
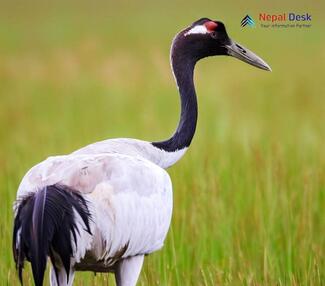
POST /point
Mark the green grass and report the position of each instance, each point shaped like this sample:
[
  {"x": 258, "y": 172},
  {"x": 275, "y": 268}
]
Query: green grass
[{"x": 248, "y": 196}]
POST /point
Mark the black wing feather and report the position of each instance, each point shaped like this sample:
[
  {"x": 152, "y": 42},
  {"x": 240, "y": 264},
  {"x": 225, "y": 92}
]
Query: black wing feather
[{"x": 45, "y": 224}]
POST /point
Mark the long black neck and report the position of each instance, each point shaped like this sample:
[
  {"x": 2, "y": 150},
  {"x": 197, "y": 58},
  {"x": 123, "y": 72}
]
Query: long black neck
[{"x": 183, "y": 67}]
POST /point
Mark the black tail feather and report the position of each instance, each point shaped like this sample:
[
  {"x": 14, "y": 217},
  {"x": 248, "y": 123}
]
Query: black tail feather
[{"x": 45, "y": 224}]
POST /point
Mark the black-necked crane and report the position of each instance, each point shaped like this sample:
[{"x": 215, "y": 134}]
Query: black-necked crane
[{"x": 104, "y": 207}]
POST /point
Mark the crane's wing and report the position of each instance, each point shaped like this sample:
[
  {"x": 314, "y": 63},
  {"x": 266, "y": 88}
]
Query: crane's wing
[
  {"x": 130, "y": 198},
  {"x": 83, "y": 172}
]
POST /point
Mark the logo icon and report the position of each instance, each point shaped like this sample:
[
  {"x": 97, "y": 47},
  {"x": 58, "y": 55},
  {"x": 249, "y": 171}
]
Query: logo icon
[{"x": 247, "y": 20}]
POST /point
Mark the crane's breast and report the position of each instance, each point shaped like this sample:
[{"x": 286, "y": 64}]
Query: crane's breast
[{"x": 132, "y": 210}]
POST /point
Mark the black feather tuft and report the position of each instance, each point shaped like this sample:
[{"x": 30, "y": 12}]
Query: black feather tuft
[{"x": 45, "y": 225}]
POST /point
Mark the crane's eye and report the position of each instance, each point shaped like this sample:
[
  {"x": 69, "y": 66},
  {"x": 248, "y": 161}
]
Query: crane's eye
[{"x": 213, "y": 34}]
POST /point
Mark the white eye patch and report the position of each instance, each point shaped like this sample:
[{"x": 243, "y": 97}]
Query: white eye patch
[{"x": 199, "y": 29}]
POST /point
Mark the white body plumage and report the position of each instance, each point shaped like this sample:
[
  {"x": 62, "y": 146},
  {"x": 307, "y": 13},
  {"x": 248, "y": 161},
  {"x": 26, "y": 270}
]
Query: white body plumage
[{"x": 128, "y": 191}]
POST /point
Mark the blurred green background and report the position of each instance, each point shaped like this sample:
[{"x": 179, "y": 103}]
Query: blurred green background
[{"x": 248, "y": 196}]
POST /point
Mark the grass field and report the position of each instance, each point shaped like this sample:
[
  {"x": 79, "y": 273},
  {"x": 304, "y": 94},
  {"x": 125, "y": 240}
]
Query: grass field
[{"x": 249, "y": 196}]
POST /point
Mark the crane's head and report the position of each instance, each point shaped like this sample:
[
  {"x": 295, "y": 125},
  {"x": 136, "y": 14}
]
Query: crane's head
[{"x": 206, "y": 38}]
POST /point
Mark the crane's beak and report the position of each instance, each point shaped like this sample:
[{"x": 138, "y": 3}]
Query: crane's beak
[{"x": 240, "y": 52}]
